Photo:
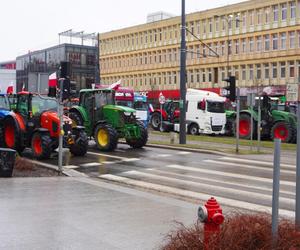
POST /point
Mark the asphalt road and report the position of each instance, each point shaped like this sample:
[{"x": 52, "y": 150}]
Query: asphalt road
[{"x": 236, "y": 182}]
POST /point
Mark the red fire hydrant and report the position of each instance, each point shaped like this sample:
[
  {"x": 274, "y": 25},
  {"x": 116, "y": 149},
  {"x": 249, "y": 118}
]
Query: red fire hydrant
[{"x": 211, "y": 215}]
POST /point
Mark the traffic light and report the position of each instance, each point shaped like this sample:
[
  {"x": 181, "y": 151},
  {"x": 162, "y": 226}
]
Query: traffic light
[
  {"x": 65, "y": 71},
  {"x": 231, "y": 95}
]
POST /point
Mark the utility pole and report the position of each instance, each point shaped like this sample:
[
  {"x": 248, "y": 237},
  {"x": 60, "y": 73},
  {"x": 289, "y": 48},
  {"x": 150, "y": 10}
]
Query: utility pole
[
  {"x": 182, "y": 135},
  {"x": 97, "y": 63}
]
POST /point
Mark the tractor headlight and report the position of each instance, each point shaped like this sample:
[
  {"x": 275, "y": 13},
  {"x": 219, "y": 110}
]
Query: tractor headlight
[{"x": 129, "y": 114}]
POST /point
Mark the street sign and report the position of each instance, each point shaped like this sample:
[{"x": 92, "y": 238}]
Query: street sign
[
  {"x": 161, "y": 99},
  {"x": 292, "y": 94}
]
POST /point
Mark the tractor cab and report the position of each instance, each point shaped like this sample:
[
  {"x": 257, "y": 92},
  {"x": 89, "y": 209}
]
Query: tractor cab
[{"x": 4, "y": 102}]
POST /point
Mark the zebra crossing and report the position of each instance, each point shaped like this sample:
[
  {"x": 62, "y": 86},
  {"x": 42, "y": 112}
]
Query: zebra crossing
[{"x": 241, "y": 183}]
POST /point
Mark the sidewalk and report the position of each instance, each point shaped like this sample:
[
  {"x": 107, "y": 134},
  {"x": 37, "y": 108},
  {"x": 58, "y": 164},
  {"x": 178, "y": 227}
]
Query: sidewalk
[
  {"x": 82, "y": 213},
  {"x": 287, "y": 156}
]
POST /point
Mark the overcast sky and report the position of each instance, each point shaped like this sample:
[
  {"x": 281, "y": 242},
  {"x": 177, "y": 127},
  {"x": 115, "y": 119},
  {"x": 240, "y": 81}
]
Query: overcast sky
[{"x": 35, "y": 24}]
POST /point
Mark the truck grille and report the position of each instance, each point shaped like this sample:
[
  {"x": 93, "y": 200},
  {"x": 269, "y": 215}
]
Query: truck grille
[{"x": 216, "y": 128}]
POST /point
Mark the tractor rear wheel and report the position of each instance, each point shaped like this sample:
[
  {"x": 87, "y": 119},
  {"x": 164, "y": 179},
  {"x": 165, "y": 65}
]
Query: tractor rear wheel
[
  {"x": 155, "y": 120},
  {"x": 106, "y": 137},
  {"x": 229, "y": 127},
  {"x": 1, "y": 137},
  {"x": 76, "y": 118},
  {"x": 79, "y": 148},
  {"x": 142, "y": 140},
  {"x": 11, "y": 135},
  {"x": 245, "y": 126},
  {"x": 40, "y": 144},
  {"x": 282, "y": 130}
]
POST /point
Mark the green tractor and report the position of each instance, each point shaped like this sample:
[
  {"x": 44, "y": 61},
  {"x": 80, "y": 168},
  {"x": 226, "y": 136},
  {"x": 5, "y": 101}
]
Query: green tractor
[
  {"x": 107, "y": 122},
  {"x": 274, "y": 123}
]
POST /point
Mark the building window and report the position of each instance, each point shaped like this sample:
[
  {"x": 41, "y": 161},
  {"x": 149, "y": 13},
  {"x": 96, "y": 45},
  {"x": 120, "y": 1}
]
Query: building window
[
  {"x": 258, "y": 43},
  {"x": 274, "y": 70},
  {"x": 250, "y": 72},
  {"x": 210, "y": 25},
  {"x": 204, "y": 26},
  {"x": 259, "y": 17},
  {"x": 267, "y": 71},
  {"x": 217, "y": 24},
  {"x": 275, "y": 41},
  {"x": 292, "y": 36},
  {"x": 223, "y": 48},
  {"x": 291, "y": 69},
  {"x": 251, "y": 44},
  {"x": 267, "y": 42},
  {"x": 209, "y": 75},
  {"x": 243, "y": 72},
  {"x": 230, "y": 22},
  {"x": 282, "y": 70},
  {"x": 229, "y": 47},
  {"x": 244, "y": 47},
  {"x": 275, "y": 13},
  {"x": 244, "y": 18},
  {"x": 198, "y": 28},
  {"x": 283, "y": 40},
  {"x": 267, "y": 15},
  {"x": 237, "y": 49},
  {"x": 223, "y": 23},
  {"x": 299, "y": 37},
  {"x": 203, "y": 76},
  {"x": 251, "y": 18},
  {"x": 283, "y": 12},
  {"x": 293, "y": 9},
  {"x": 237, "y": 21},
  {"x": 258, "y": 71}
]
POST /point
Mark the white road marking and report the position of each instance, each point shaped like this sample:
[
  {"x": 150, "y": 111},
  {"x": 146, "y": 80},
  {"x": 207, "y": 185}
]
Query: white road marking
[
  {"x": 231, "y": 159},
  {"x": 110, "y": 162},
  {"x": 240, "y": 176},
  {"x": 184, "y": 153},
  {"x": 195, "y": 195},
  {"x": 71, "y": 167},
  {"x": 110, "y": 156},
  {"x": 91, "y": 164},
  {"x": 221, "y": 163},
  {"x": 163, "y": 155}
]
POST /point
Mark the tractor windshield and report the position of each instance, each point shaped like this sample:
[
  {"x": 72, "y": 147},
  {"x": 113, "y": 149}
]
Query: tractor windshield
[
  {"x": 4, "y": 104},
  {"x": 41, "y": 104},
  {"x": 104, "y": 98},
  {"x": 215, "y": 107}
]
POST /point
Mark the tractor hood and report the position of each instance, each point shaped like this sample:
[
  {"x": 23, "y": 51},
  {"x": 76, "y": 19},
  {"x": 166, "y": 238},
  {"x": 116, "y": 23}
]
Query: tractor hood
[
  {"x": 119, "y": 108},
  {"x": 53, "y": 116}
]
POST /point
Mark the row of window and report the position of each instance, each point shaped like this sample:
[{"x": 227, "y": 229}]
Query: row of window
[
  {"x": 249, "y": 72},
  {"x": 268, "y": 42},
  {"x": 204, "y": 28}
]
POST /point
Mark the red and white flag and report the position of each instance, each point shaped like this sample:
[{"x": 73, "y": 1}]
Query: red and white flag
[
  {"x": 115, "y": 85},
  {"x": 10, "y": 89},
  {"x": 52, "y": 82}
]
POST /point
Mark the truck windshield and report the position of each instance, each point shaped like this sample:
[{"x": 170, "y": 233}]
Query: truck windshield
[
  {"x": 215, "y": 107},
  {"x": 140, "y": 105},
  {"x": 4, "y": 104},
  {"x": 104, "y": 98},
  {"x": 41, "y": 104}
]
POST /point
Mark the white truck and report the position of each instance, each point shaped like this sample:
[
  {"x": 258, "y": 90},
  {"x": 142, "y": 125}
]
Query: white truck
[{"x": 205, "y": 113}]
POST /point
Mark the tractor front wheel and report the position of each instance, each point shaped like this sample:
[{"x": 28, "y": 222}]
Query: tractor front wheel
[
  {"x": 282, "y": 130},
  {"x": 11, "y": 135},
  {"x": 79, "y": 148},
  {"x": 40, "y": 145},
  {"x": 155, "y": 121},
  {"x": 106, "y": 137},
  {"x": 76, "y": 118},
  {"x": 142, "y": 140}
]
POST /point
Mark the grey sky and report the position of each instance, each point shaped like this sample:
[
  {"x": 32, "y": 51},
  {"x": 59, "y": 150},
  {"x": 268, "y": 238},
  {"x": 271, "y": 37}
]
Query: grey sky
[{"x": 34, "y": 24}]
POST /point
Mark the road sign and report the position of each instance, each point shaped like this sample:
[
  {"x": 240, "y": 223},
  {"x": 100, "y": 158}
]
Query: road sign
[
  {"x": 161, "y": 98},
  {"x": 292, "y": 94}
]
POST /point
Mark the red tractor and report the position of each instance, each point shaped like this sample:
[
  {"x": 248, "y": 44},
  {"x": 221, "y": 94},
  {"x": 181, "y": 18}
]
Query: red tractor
[
  {"x": 169, "y": 113},
  {"x": 35, "y": 124}
]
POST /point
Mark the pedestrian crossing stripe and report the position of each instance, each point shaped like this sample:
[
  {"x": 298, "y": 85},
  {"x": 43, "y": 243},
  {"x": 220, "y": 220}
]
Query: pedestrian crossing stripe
[{"x": 91, "y": 164}]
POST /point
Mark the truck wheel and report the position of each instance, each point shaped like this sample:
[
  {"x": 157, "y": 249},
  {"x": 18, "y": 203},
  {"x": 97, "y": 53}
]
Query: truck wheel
[
  {"x": 106, "y": 137},
  {"x": 282, "y": 130},
  {"x": 245, "y": 127},
  {"x": 10, "y": 136},
  {"x": 193, "y": 129},
  {"x": 79, "y": 148},
  {"x": 155, "y": 121},
  {"x": 142, "y": 140},
  {"x": 76, "y": 118},
  {"x": 40, "y": 145}
]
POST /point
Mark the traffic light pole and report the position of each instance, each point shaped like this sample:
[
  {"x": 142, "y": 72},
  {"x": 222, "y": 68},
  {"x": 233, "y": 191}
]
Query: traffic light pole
[
  {"x": 237, "y": 132},
  {"x": 182, "y": 132},
  {"x": 61, "y": 131}
]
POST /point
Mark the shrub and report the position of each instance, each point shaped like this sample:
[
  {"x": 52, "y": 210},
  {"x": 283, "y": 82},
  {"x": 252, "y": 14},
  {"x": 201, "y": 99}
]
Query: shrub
[{"x": 239, "y": 231}]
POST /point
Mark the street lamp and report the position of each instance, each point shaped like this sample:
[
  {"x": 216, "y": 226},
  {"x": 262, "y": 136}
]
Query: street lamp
[{"x": 228, "y": 19}]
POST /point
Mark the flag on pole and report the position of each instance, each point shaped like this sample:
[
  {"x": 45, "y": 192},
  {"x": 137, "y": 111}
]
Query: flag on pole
[
  {"x": 116, "y": 85},
  {"x": 52, "y": 82}
]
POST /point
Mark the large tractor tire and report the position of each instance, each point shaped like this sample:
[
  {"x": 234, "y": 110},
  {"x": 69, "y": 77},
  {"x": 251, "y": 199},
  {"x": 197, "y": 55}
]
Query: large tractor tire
[
  {"x": 155, "y": 120},
  {"x": 76, "y": 118},
  {"x": 282, "y": 130},
  {"x": 79, "y": 148},
  {"x": 11, "y": 135},
  {"x": 106, "y": 137},
  {"x": 1, "y": 136},
  {"x": 142, "y": 140},
  {"x": 40, "y": 145},
  {"x": 245, "y": 126}
]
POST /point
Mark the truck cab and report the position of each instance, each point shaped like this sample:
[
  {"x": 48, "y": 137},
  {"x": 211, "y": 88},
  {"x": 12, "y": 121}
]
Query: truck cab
[{"x": 142, "y": 108}]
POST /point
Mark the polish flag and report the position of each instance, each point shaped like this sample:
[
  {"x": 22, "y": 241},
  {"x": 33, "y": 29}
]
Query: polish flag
[
  {"x": 52, "y": 80},
  {"x": 115, "y": 85},
  {"x": 10, "y": 89}
]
